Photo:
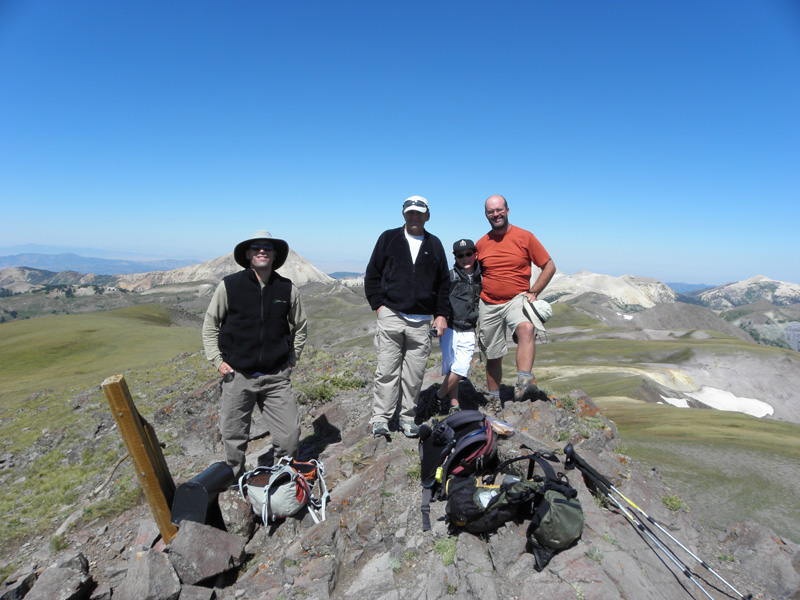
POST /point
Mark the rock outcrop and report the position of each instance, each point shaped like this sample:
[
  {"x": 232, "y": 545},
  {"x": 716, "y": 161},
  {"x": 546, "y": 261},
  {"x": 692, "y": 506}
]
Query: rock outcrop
[{"x": 371, "y": 546}]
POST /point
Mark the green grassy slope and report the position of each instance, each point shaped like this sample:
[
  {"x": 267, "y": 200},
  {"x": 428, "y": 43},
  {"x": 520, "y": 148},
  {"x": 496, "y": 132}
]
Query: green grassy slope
[
  {"x": 61, "y": 352},
  {"x": 51, "y": 403},
  {"x": 729, "y": 466}
]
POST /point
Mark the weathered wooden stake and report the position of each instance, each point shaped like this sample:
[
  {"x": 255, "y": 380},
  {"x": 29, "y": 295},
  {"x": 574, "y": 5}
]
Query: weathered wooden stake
[{"x": 145, "y": 452}]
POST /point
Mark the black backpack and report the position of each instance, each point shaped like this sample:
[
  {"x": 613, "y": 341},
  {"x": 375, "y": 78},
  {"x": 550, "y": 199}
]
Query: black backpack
[
  {"x": 549, "y": 501},
  {"x": 458, "y": 446}
]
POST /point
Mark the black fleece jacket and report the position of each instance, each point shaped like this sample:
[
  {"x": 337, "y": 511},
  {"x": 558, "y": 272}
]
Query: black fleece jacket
[{"x": 392, "y": 280}]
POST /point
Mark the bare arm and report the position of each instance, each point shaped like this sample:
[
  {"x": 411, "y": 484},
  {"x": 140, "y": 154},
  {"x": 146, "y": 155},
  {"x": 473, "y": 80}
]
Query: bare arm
[{"x": 541, "y": 282}]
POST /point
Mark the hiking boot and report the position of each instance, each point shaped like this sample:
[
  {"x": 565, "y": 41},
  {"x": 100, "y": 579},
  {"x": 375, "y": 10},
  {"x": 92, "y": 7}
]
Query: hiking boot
[
  {"x": 380, "y": 429},
  {"x": 493, "y": 403},
  {"x": 526, "y": 389},
  {"x": 409, "y": 429},
  {"x": 454, "y": 409}
]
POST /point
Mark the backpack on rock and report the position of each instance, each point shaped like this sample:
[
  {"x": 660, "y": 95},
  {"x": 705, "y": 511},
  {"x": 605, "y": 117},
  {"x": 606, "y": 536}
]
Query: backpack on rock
[
  {"x": 548, "y": 501},
  {"x": 285, "y": 489},
  {"x": 458, "y": 446}
]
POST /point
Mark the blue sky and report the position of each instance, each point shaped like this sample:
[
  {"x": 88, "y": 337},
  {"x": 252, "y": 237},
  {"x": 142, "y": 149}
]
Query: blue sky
[{"x": 659, "y": 139}]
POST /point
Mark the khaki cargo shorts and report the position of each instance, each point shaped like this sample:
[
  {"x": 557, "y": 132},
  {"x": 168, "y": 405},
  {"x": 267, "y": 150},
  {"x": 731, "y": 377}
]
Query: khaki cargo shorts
[{"x": 494, "y": 318}]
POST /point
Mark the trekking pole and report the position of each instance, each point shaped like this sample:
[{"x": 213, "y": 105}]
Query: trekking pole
[
  {"x": 583, "y": 466},
  {"x": 644, "y": 529}
]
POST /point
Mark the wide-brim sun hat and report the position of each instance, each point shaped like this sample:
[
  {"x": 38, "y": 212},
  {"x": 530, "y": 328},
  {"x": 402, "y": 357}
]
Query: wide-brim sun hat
[
  {"x": 280, "y": 246},
  {"x": 538, "y": 311}
]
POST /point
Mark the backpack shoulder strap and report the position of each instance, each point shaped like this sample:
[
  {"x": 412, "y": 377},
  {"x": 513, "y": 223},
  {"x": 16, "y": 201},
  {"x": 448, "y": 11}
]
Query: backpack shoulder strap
[{"x": 316, "y": 506}]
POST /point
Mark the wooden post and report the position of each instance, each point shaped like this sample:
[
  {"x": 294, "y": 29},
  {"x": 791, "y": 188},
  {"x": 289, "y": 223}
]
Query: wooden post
[{"x": 145, "y": 452}]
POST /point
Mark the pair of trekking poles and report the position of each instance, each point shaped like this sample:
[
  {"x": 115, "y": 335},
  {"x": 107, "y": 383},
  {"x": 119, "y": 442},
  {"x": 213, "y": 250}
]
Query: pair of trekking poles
[{"x": 605, "y": 487}]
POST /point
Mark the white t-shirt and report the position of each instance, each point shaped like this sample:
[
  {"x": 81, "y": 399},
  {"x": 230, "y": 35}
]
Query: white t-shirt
[{"x": 414, "y": 243}]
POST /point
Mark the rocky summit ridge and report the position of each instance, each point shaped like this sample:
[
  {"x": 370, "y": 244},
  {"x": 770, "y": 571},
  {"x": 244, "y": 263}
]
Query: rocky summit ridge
[
  {"x": 749, "y": 291},
  {"x": 371, "y": 546}
]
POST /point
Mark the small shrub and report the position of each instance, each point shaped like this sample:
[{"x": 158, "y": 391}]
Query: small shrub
[
  {"x": 595, "y": 554},
  {"x": 395, "y": 564},
  {"x": 446, "y": 548},
  {"x": 675, "y": 503},
  {"x": 727, "y": 558},
  {"x": 58, "y": 543},
  {"x": 568, "y": 402}
]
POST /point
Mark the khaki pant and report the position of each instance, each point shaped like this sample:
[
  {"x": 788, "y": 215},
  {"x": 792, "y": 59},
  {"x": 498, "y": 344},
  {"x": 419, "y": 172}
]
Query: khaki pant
[
  {"x": 274, "y": 395},
  {"x": 403, "y": 348}
]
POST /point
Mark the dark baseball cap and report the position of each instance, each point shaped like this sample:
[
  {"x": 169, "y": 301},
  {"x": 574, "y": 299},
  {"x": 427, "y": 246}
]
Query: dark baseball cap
[{"x": 463, "y": 245}]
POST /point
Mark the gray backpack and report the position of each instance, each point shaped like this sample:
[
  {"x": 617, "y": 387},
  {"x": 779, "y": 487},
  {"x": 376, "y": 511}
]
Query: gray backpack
[{"x": 285, "y": 489}]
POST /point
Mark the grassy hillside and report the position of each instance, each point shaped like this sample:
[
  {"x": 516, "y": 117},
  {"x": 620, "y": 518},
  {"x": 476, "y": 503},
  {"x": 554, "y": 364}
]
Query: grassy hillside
[
  {"x": 61, "y": 352},
  {"x": 51, "y": 406},
  {"x": 728, "y": 466}
]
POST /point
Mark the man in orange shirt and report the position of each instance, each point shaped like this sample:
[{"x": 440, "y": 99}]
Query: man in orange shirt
[{"x": 506, "y": 254}]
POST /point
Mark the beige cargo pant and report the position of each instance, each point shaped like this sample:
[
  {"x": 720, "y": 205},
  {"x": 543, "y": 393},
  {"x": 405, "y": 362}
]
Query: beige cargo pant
[
  {"x": 403, "y": 348},
  {"x": 274, "y": 395}
]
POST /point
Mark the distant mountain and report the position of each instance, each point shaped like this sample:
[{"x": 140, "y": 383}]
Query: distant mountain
[
  {"x": 85, "y": 264},
  {"x": 767, "y": 323},
  {"x": 94, "y": 252},
  {"x": 628, "y": 290},
  {"x": 296, "y": 268},
  {"x": 685, "y": 288},
  {"x": 22, "y": 279},
  {"x": 346, "y": 274},
  {"x": 739, "y": 293}
]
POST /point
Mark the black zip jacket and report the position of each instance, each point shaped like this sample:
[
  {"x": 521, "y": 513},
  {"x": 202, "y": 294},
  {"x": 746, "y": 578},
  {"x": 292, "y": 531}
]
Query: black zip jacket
[
  {"x": 464, "y": 296},
  {"x": 421, "y": 288}
]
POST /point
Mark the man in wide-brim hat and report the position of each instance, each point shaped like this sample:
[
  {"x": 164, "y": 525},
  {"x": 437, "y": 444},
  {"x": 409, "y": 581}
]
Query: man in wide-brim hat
[{"x": 253, "y": 333}]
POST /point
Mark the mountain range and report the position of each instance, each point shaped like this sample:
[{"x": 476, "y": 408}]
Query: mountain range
[
  {"x": 761, "y": 309},
  {"x": 84, "y": 264}
]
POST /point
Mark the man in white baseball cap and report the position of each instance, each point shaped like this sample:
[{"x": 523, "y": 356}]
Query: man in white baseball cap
[{"x": 407, "y": 283}]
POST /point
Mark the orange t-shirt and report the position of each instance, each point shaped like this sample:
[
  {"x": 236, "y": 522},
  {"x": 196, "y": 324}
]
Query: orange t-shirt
[{"x": 506, "y": 263}]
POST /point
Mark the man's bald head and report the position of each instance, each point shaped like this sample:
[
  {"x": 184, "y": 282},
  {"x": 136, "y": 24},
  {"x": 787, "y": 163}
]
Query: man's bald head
[
  {"x": 493, "y": 200},
  {"x": 497, "y": 213}
]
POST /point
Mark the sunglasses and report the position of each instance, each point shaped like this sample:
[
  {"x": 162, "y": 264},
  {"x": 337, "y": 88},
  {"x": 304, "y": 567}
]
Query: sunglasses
[
  {"x": 464, "y": 254},
  {"x": 408, "y": 203},
  {"x": 259, "y": 247}
]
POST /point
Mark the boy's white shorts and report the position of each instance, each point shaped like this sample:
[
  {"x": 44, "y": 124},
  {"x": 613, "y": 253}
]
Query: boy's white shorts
[{"x": 458, "y": 348}]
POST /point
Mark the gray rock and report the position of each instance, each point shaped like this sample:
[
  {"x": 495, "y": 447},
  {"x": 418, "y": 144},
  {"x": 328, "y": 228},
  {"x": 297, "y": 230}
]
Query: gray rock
[
  {"x": 199, "y": 552},
  {"x": 147, "y": 535},
  {"x": 375, "y": 578},
  {"x": 57, "y": 583},
  {"x": 73, "y": 560},
  {"x": 17, "y": 588},
  {"x": 237, "y": 514},
  {"x": 102, "y": 592},
  {"x": 150, "y": 577},
  {"x": 768, "y": 559},
  {"x": 195, "y": 592}
]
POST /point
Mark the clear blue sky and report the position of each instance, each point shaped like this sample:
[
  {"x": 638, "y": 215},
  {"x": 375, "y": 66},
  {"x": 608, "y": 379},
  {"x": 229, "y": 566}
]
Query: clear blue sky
[{"x": 653, "y": 138}]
